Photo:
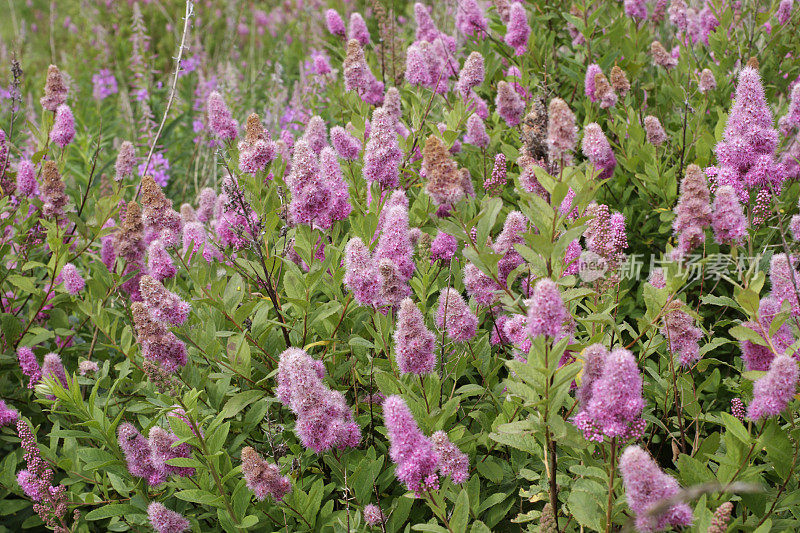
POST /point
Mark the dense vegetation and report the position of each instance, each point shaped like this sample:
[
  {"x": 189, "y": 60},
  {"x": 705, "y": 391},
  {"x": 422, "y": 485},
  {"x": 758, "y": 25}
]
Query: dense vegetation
[{"x": 347, "y": 266}]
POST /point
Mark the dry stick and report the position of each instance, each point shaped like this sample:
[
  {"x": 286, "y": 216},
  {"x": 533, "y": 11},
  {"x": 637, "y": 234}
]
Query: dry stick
[{"x": 186, "y": 18}]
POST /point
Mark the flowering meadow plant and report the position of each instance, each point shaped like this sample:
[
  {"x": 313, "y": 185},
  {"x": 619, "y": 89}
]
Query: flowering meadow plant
[{"x": 333, "y": 266}]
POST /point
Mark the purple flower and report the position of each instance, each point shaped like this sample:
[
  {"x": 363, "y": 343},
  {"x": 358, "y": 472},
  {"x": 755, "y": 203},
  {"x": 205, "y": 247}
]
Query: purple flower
[
  {"x": 588, "y": 83},
  {"x": 361, "y": 276},
  {"x": 413, "y": 342},
  {"x": 257, "y": 149},
  {"x": 496, "y": 181},
  {"x": 262, "y": 477},
  {"x": 163, "y": 447},
  {"x": 517, "y": 29},
  {"x": 452, "y": 461},
  {"x": 373, "y": 515},
  {"x": 480, "y": 286},
  {"x": 757, "y": 356},
  {"x": 636, "y": 9},
  {"x": 335, "y": 23},
  {"x": 784, "y": 12},
  {"x": 138, "y": 455},
  {"x": 36, "y": 481},
  {"x": 476, "y": 132},
  {"x": 126, "y": 159},
  {"x": 158, "y": 168},
  {"x": 727, "y": 217},
  {"x": 7, "y": 414},
  {"x": 783, "y": 278},
  {"x": 316, "y": 134},
  {"x": 382, "y": 154},
  {"x": 472, "y": 74},
  {"x": 412, "y": 452},
  {"x": 693, "y": 212},
  {"x": 791, "y": 120},
  {"x": 219, "y": 118},
  {"x": 165, "y": 521},
  {"x": 510, "y": 106},
  {"x": 773, "y": 392},
  {"x": 63, "y": 126},
  {"x": 395, "y": 242},
  {"x": 681, "y": 332},
  {"x": 655, "y": 132},
  {"x": 52, "y": 368},
  {"x": 323, "y": 418},
  {"x": 358, "y": 77},
  {"x": 470, "y": 19},
  {"x": 443, "y": 247},
  {"x": 312, "y": 198},
  {"x": 345, "y": 144},
  {"x": 26, "y": 179},
  {"x": 164, "y": 306},
  {"x": 645, "y": 486},
  {"x": 105, "y": 84},
  {"x": 358, "y": 29},
  {"x": 85, "y": 367},
  {"x": 546, "y": 310},
  {"x": 331, "y": 173},
  {"x": 610, "y": 395},
  {"x": 73, "y": 282},
  {"x": 598, "y": 151},
  {"x": 455, "y": 316}
]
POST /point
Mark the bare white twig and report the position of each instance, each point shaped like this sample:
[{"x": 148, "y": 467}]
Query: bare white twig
[{"x": 187, "y": 17}]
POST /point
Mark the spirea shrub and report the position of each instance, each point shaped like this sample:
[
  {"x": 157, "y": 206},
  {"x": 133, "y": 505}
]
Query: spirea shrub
[{"x": 388, "y": 266}]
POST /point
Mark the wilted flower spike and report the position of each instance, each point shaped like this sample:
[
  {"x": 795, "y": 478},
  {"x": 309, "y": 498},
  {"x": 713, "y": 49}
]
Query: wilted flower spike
[
  {"x": 412, "y": 452},
  {"x": 645, "y": 486},
  {"x": 661, "y": 57},
  {"x": 619, "y": 81},
  {"x": 414, "y": 343},
  {"x": 55, "y": 92},
  {"x": 692, "y": 213},
  {"x": 445, "y": 186},
  {"x": 63, "y": 126},
  {"x": 603, "y": 92},
  {"x": 773, "y": 392},
  {"x": 165, "y": 521},
  {"x": 262, "y": 477},
  {"x": 562, "y": 134},
  {"x": 52, "y": 190}
]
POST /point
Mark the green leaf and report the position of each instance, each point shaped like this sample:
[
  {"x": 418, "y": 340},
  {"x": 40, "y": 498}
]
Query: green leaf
[
  {"x": 200, "y": 496},
  {"x": 239, "y": 402},
  {"x": 735, "y": 427},
  {"x": 460, "y": 516},
  {"x": 111, "y": 510},
  {"x": 586, "y": 509}
]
